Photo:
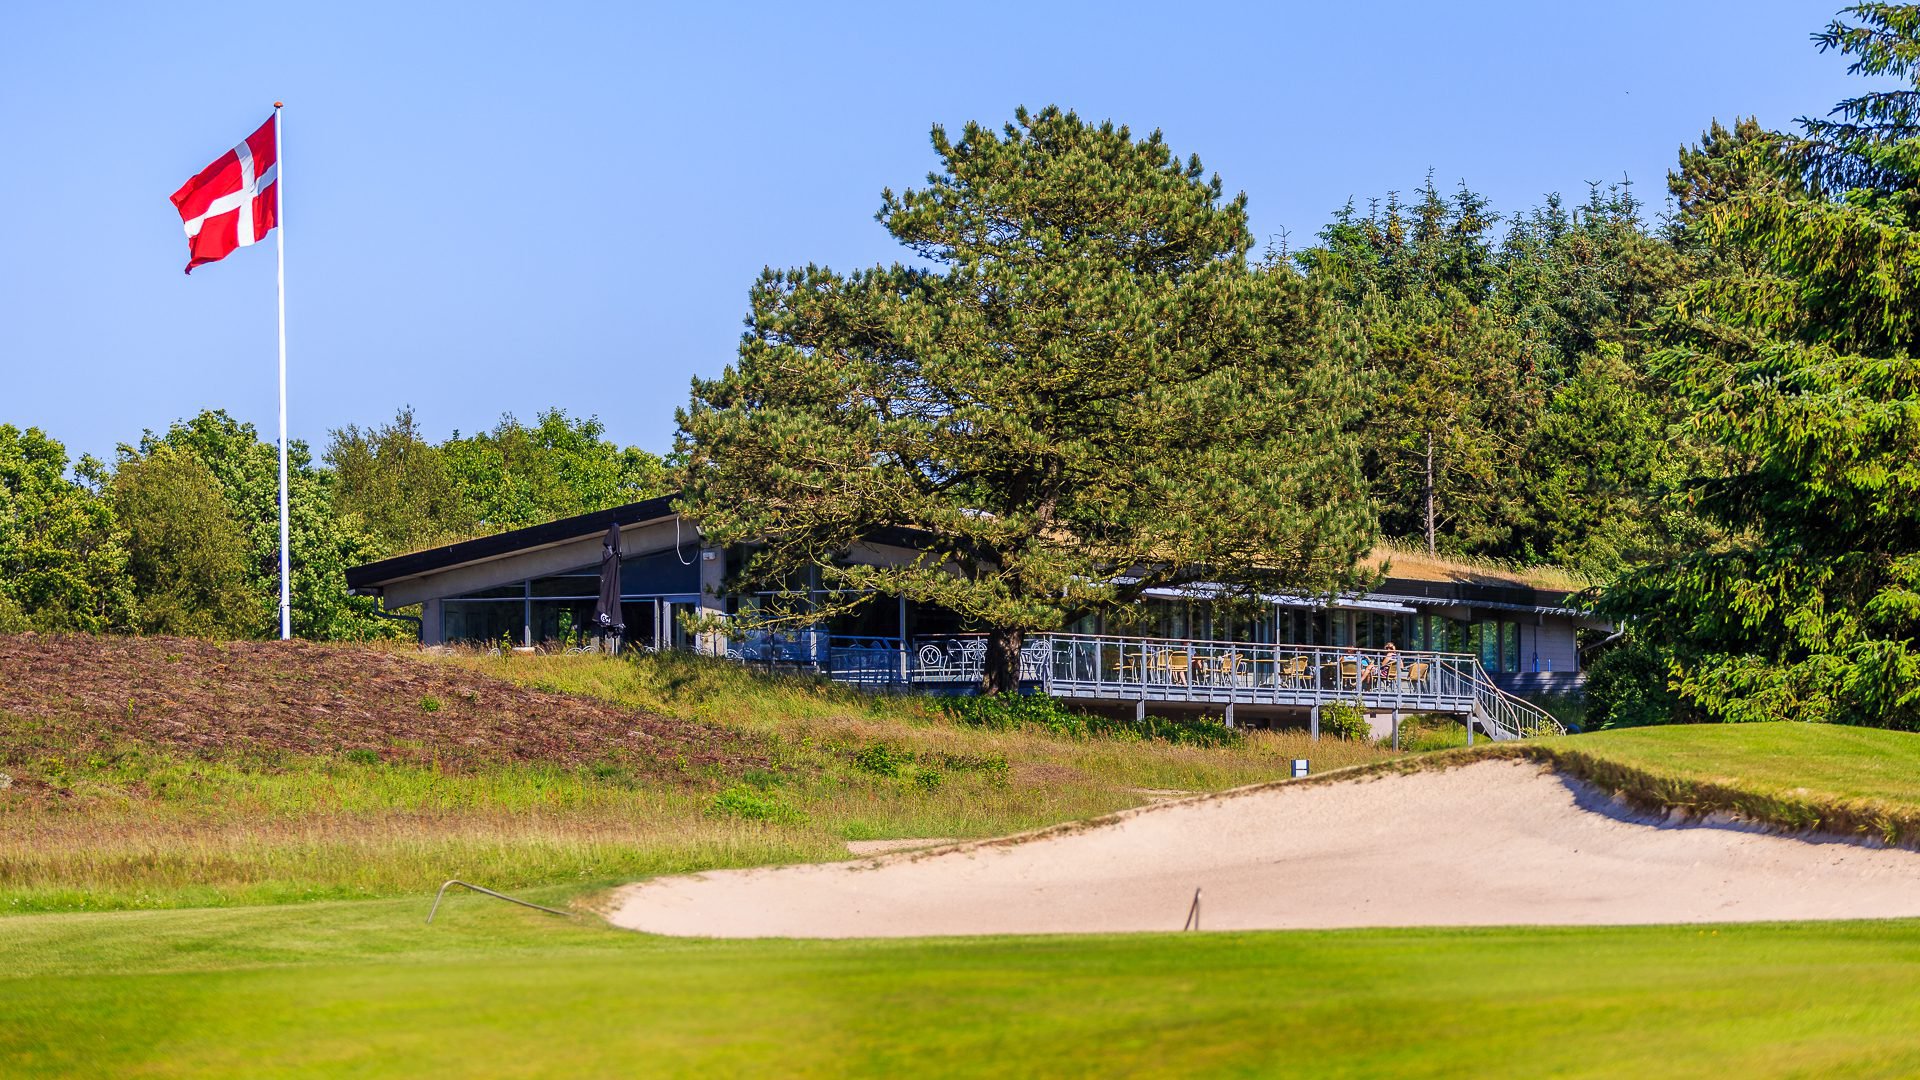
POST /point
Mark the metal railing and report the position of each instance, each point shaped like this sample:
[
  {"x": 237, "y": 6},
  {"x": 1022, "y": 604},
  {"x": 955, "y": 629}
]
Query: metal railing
[{"x": 1120, "y": 668}]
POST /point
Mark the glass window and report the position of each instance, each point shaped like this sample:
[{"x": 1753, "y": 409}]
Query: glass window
[
  {"x": 1510, "y": 646},
  {"x": 569, "y": 585},
  {"x": 562, "y": 620},
  {"x": 481, "y": 620}
]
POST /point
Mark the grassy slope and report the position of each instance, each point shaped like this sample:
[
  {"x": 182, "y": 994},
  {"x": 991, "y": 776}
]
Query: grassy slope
[
  {"x": 1839, "y": 780},
  {"x": 364, "y": 989},
  {"x": 103, "y": 815}
]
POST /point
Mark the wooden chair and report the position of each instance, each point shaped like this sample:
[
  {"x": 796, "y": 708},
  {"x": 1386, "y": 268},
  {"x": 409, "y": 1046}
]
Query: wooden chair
[
  {"x": 1294, "y": 671},
  {"x": 1349, "y": 674},
  {"x": 1415, "y": 674}
]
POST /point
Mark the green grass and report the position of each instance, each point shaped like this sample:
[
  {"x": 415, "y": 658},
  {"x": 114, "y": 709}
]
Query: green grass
[
  {"x": 1779, "y": 759},
  {"x": 363, "y": 989},
  {"x": 1844, "y": 781}
]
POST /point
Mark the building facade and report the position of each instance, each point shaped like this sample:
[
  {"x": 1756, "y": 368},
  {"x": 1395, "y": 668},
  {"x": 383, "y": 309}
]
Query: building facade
[{"x": 538, "y": 585}]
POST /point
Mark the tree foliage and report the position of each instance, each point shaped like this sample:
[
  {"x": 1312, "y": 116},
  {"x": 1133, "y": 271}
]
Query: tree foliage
[
  {"x": 62, "y": 557},
  {"x": 408, "y": 493},
  {"x": 322, "y": 545},
  {"x": 186, "y": 554},
  {"x": 1507, "y": 408},
  {"x": 519, "y": 474},
  {"x": 1795, "y": 355},
  {"x": 397, "y": 486},
  {"x": 1080, "y": 391}
]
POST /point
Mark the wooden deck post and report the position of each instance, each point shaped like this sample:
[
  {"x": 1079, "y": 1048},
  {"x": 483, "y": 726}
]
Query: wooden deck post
[
  {"x": 1229, "y": 712},
  {"x": 1313, "y": 724}
]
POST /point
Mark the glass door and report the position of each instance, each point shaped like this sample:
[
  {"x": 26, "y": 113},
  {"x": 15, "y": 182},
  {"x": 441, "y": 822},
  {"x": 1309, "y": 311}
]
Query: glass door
[{"x": 674, "y": 613}]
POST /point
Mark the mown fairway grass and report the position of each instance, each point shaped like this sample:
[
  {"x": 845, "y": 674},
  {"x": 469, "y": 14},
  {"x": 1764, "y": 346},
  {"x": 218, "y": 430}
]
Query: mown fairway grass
[{"x": 363, "y": 989}]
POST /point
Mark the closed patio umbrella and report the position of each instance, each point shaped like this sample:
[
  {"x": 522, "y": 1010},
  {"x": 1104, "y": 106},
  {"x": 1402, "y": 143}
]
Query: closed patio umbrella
[{"x": 606, "y": 611}]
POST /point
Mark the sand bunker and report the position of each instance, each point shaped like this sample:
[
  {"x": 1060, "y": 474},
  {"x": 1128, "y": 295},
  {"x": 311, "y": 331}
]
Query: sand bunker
[{"x": 1494, "y": 843}]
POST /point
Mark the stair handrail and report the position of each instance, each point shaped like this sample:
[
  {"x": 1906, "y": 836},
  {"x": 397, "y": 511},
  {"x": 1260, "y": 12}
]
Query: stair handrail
[{"x": 1506, "y": 715}]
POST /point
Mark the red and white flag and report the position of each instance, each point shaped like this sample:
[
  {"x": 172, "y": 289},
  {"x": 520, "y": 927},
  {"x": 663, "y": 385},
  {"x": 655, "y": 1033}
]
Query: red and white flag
[{"x": 234, "y": 201}]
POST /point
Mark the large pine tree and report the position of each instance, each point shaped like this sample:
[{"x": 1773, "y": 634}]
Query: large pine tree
[{"x": 1080, "y": 390}]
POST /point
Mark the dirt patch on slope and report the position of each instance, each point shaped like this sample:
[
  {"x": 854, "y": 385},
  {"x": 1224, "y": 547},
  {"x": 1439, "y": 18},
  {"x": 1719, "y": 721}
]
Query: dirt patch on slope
[{"x": 70, "y": 695}]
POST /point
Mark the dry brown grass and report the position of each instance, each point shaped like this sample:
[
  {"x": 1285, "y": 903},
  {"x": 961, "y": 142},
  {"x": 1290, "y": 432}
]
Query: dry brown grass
[{"x": 1403, "y": 559}]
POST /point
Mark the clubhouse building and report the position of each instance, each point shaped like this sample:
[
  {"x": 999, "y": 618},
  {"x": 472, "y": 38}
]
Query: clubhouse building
[{"x": 1445, "y": 621}]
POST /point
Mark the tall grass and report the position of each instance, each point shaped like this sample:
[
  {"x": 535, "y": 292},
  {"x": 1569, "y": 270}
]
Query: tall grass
[{"x": 139, "y": 826}]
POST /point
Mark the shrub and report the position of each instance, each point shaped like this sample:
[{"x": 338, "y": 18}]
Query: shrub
[
  {"x": 1627, "y": 687},
  {"x": 743, "y": 802},
  {"x": 1003, "y": 711},
  {"x": 1344, "y": 720},
  {"x": 362, "y": 756},
  {"x": 883, "y": 760},
  {"x": 1000, "y": 712},
  {"x": 429, "y": 704}
]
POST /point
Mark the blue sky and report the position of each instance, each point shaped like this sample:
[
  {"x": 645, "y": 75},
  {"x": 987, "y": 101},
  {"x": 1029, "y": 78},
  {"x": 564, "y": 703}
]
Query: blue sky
[{"x": 493, "y": 208}]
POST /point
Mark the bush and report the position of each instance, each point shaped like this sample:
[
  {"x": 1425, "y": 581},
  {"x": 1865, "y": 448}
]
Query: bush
[
  {"x": 883, "y": 760},
  {"x": 1004, "y": 711},
  {"x": 1344, "y": 720},
  {"x": 743, "y": 802},
  {"x": 1627, "y": 687}
]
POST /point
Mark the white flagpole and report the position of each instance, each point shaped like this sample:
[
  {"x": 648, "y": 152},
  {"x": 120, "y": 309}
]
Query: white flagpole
[{"x": 280, "y": 249}]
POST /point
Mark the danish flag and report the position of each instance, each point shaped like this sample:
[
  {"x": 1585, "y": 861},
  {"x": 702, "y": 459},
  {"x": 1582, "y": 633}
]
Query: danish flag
[{"x": 233, "y": 202}]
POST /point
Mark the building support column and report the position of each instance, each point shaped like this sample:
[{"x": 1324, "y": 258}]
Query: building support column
[
  {"x": 713, "y": 605},
  {"x": 1229, "y": 712},
  {"x": 1313, "y": 724}
]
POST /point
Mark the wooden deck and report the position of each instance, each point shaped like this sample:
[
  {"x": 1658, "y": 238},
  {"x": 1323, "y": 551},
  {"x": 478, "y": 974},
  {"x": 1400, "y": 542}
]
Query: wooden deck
[{"x": 1228, "y": 675}]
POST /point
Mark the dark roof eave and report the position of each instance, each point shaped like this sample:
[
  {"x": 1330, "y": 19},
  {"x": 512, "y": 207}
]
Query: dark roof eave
[{"x": 371, "y": 577}]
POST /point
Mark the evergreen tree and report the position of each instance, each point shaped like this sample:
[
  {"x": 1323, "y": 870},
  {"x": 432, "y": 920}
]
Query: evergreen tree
[
  {"x": 1081, "y": 392},
  {"x": 1444, "y": 409},
  {"x": 1796, "y": 356}
]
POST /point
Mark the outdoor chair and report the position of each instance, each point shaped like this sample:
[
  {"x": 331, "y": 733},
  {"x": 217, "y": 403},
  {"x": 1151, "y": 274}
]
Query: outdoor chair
[
  {"x": 1222, "y": 669},
  {"x": 1415, "y": 674},
  {"x": 1179, "y": 666},
  {"x": 1349, "y": 674},
  {"x": 1294, "y": 671}
]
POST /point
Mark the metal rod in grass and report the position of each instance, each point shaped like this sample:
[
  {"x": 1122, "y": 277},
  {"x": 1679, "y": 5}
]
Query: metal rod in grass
[{"x": 498, "y": 896}]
